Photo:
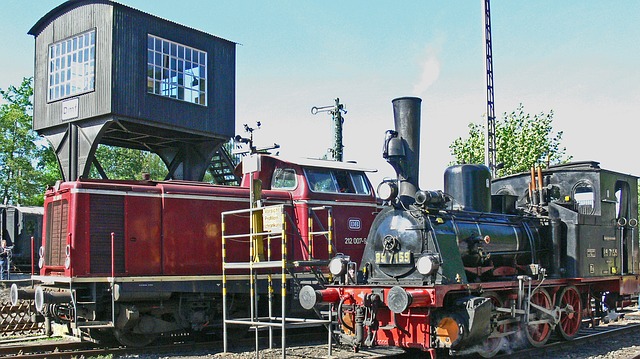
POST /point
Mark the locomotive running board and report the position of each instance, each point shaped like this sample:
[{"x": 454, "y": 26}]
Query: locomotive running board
[{"x": 96, "y": 324}]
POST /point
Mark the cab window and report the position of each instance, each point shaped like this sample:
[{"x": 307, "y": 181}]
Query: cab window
[
  {"x": 284, "y": 178},
  {"x": 585, "y": 197},
  {"x": 320, "y": 180},
  {"x": 360, "y": 183},
  {"x": 336, "y": 181}
]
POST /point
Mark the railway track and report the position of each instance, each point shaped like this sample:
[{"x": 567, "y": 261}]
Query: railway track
[
  {"x": 587, "y": 337},
  {"x": 300, "y": 345},
  {"x": 37, "y": 347}
]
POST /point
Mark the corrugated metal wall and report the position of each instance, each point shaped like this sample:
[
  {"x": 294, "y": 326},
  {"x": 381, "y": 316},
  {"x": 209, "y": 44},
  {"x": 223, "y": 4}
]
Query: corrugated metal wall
[
  {"x": 121, "y": 71},
  {"x": 131, "y": 99},
  {"x": 78, "y": 20}
]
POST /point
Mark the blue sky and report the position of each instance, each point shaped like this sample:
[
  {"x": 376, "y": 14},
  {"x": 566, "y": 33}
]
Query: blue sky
[{"x": 578, "y": 58}]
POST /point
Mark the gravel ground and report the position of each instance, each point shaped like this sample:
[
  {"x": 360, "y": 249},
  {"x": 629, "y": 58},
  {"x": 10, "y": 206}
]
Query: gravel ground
[
  {"x": 295, "y": 352},
  {"x": 621, "y": 347}
]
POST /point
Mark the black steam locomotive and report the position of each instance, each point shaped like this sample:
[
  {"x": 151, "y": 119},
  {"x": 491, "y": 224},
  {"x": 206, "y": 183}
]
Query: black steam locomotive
[{"x": 485, "y": 263}]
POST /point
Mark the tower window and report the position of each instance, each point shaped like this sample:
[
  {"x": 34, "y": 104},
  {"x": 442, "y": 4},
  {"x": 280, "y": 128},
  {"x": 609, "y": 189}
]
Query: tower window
[
  {"x": 176, "y": 71},
  {"x": 72, "y": 65}
]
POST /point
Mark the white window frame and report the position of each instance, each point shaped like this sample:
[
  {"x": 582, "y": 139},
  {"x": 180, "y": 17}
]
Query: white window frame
[
  {"x": 176, "y": 71},
  {"x": 71, "y": 67}
]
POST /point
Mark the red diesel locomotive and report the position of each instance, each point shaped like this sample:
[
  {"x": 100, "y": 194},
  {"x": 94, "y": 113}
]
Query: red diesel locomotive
[
  {"x": 483, "y": 266},
  {"x": 141, "y": 258}
]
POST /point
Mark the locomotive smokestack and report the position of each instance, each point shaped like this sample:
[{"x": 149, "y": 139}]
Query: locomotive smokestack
[{"x": 402, "y": 147}]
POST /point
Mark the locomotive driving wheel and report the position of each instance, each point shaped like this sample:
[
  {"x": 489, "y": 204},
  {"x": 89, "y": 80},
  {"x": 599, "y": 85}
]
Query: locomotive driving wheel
[
  {"x": 537, "y": 329},
  {"x": 570, "y": 304},
  {"x": 493, "y": 345}
]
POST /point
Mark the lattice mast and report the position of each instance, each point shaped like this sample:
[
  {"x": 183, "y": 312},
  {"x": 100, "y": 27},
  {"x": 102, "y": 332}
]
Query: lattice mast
[
  {"x": 336, "y": 152},
  {"x": 490, "y": 133}
]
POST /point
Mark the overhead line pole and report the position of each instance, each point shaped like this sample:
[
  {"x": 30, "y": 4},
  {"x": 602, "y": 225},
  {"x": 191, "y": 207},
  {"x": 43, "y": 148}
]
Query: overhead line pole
[{"x": 490, "y": 134}]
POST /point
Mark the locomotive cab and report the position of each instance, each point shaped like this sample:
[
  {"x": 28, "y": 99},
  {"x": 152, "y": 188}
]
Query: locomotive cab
[{"x": 593, "y": 216}]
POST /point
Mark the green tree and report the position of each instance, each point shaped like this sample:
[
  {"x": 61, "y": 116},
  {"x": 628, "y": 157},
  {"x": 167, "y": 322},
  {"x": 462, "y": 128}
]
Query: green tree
[
  {"x": 128, "y": 163},
  {"x": 27, "y": 164},
  {"x": 522, "y": 140}
]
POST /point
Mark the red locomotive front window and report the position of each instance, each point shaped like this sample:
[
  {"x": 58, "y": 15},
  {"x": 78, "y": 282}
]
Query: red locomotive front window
[
  {"x": 321, "y": 180},
  {"x": 56, "y": 237},
  {"x": 336, "y": 181},
  {"x": 359, "y": 182}
]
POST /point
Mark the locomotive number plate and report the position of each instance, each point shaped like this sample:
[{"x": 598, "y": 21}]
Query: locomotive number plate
[
  {"x": 609, "y": 252},
  {"x": 393, "y": 258}
]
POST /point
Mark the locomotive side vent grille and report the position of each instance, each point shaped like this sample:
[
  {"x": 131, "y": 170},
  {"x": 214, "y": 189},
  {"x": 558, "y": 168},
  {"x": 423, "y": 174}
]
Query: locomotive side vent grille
[
  {"x": 107, "y": 216},
  {"x": 57, "y": 229}
]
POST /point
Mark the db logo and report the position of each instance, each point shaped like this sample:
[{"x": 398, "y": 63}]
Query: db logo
[{"x": 355, "y": 224}]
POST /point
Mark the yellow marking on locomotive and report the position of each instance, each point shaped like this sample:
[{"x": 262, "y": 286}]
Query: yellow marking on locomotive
[{"x": 393, "y": 258}]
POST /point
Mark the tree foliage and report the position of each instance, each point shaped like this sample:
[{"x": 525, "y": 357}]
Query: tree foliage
[
  {"x": 27, "y": 165},
  {"x": 128, "y": 163},
  {"x": 522, "y": 141}
]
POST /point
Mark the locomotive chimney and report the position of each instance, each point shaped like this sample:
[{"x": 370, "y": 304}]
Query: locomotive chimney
[{"x": 402, "y": 146}]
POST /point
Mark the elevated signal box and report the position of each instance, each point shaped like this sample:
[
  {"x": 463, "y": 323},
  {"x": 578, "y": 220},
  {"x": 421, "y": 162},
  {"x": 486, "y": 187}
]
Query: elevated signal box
[{"x": 109, "y": 74}]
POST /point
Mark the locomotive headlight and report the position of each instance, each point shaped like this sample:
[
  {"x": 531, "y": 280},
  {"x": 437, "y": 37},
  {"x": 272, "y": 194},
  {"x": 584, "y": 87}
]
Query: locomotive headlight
[
  {"x": 427, "y": 264},
  {"x": 387, "y": 190},
  {"x": 338, "y": 265}
]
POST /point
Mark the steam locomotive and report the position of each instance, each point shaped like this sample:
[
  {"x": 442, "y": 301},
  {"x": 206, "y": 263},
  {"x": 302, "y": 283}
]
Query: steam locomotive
[
  {"x": 136, "y": 259},
  {"x": 485, "y": 264}
]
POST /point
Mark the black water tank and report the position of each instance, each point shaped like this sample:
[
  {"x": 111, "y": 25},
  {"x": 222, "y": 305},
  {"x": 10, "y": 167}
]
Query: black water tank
[{"x": 470, "y": 187}]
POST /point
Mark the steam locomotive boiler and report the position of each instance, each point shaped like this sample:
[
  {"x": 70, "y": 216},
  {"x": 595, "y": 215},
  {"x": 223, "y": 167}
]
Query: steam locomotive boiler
[{"x": 482, "y": 264}]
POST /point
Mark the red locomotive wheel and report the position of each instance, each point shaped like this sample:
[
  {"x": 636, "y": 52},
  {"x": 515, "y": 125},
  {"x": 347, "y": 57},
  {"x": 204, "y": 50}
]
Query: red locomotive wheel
[
  {"x": 538, "y": 333},
  {"x": 569, "y": 299},
  {"x": 492, "y": 346}
]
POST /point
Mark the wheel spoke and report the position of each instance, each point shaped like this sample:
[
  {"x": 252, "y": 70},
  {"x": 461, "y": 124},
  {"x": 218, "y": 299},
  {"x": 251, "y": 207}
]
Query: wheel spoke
[
  {"x": 570, "y": 301},
  {"x": 538, "y": 334}
]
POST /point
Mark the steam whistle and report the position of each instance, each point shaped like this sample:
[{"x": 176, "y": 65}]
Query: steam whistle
[
  {"x": 336, "y": 112},
  {"x": 536, "y": 187}
]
